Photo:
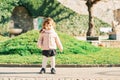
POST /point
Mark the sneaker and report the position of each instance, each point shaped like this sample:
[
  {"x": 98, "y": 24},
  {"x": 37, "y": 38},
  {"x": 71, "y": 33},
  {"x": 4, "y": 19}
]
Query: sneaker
[
  {"x": 42, "y": 71},
  {"x": 53, "y": 71}
]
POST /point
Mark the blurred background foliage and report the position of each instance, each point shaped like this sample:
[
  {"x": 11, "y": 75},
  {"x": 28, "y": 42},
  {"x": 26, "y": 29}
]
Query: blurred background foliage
[{"x": 67, "y": 20}]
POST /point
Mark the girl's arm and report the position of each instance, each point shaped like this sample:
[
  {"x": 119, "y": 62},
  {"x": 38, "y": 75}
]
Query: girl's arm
[
  {"x": 40, "y": 41},
  {"x": 59, "y": 44}
]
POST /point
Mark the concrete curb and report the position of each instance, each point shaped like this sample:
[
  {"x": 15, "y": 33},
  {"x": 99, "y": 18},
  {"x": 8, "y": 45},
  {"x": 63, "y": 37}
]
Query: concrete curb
[{"x": 62, "y": 65}]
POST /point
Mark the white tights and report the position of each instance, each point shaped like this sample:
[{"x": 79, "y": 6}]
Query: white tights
[{"x": 45, "y": 59}]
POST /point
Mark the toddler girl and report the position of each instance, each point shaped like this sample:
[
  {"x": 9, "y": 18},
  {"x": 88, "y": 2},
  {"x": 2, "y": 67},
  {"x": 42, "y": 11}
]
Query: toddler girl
[{"x": 49, "y": 41}]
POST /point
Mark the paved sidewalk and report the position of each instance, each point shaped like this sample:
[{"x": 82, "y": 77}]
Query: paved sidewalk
[{"x": 32, "y": 73}]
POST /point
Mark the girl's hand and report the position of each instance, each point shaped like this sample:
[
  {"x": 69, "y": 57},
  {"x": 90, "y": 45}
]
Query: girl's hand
[{"x": 60, "y": 52}]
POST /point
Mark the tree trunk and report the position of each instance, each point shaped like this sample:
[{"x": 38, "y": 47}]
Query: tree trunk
[{"x": 90, "y": 31}]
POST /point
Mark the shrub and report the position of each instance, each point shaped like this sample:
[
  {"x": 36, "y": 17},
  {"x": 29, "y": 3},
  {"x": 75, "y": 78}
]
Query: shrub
[
  {"x": 74, "y": 46},
  {"x": 2, "y": 38},
  {"x": 25, "y": 44}
]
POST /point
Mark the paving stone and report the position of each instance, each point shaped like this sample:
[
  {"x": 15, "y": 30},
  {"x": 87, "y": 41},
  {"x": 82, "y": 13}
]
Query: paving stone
[
  {"x": 1, "y": 78},
  {"x": 6, "y": 78},
  {"x": 68, "y": 78},
  {"x": 31, "y": 73}
]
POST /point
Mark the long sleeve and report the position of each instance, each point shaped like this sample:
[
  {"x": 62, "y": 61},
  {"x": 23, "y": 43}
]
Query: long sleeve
[
  {"x": 40, "y": 41},
  {"x": 59, "y": 44}
]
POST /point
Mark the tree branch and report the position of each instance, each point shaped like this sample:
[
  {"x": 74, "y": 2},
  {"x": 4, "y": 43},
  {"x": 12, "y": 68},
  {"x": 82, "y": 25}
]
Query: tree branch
[{"x": 95, "y": 1}]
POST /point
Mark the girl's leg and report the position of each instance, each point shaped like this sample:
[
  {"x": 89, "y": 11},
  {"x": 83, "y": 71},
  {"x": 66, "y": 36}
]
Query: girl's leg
[
  {"x": 44, "y": 61},
  {"x": 52, "y": 60}
]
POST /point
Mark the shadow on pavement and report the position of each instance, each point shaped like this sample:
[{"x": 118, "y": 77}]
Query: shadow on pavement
[
  {"x": 110, "y": 73},
  {"x": 19, "y": 72},
  {"x": 23, "y": 73}
]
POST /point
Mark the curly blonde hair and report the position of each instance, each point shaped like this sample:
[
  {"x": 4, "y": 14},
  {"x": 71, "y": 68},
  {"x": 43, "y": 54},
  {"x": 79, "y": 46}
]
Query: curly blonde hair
[{"x": 47, "y": 21}]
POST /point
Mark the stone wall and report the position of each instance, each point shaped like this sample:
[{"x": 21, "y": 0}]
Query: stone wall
[
  {"x": 111, "y": 43},
  {"x": 106, "y": 43}
]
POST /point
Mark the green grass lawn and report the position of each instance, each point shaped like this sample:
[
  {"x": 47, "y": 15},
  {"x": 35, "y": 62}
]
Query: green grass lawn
[
  {"x": 23, "y": 50},
  {"x": 105, "y": 56}
]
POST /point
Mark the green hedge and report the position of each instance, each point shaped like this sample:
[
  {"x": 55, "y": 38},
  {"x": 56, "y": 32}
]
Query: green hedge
[
  {"x": 2, "y": 39},
  {"x": 67, "y": 20},
  {"x": 25, "y": 44}
]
